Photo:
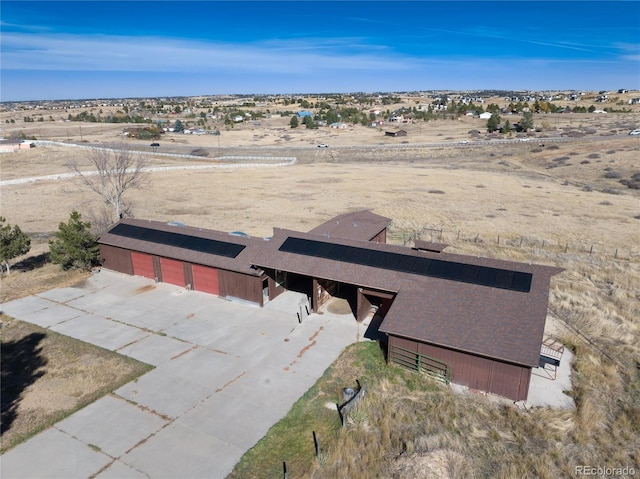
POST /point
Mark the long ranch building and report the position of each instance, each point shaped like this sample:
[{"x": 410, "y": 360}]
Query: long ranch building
[{"x": 478, "y": 322}]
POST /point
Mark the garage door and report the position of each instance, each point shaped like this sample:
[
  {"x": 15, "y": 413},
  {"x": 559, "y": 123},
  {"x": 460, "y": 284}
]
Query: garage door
[
  {"x": 172, "y": 271},
  {"x": 205, "y": 279},
  {"x": 142, "y": 265}
]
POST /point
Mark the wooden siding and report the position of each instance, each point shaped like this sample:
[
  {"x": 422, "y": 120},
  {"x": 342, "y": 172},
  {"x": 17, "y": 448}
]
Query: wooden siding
[
  {"x": 242, "y": 286},
  {"x": 380, "y": 237},
  {"x": 157, "y": 268},
  {"x": 275, "y": 290},
  {"x": 116, "y": 259},
  {"x": 497, "y": 377},
  {"x": 188, "y": 275}
]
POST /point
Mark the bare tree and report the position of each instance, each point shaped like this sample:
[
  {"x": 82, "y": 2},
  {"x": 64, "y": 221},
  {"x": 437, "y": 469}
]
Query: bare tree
[{"x": 116, "y": 172}]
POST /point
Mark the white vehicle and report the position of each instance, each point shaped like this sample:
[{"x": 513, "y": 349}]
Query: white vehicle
[
  {"x": 635, "y": 132},
  {"x": 323, "y": 145},
  {"x": 464, "y": 142},
  {"x": 524, "y": 139}
]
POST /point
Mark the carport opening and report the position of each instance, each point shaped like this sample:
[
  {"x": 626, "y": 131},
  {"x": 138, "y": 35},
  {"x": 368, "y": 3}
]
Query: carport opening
[{"x": 336, "y": 298}]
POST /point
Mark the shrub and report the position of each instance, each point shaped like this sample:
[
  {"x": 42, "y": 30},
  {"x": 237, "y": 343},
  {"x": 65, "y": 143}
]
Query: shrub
[
  {"x": 199, "y": 152},
  {"x": 593, "y": 155},
  {"x": 613, "y": 175}
]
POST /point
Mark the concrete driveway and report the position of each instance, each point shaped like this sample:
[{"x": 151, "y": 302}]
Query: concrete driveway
[{"x": 224, "y": 374}]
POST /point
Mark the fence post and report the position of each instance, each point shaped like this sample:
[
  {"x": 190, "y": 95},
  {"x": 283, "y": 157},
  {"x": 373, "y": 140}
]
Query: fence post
[
  {"x": 458, "y": 234},
  {"x": 566, "y": 246},
  {"x": 316, "y": 443},
  {"x": 591, "y": 250},
  {"x": 498, "y": 239},
  {"x": 284, "y": 470},
  {"x": 616, "y": 255}
]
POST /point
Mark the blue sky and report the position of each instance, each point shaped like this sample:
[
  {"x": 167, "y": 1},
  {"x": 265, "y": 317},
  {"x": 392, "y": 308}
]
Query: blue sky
[{"x": 94, "y": 49}]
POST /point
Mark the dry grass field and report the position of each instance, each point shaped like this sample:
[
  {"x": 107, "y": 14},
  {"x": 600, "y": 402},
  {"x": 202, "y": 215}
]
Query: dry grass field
[{"x": 560, "y": 204}]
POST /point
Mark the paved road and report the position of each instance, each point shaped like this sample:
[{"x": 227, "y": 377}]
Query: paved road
[{"x": 224, "y": 374}]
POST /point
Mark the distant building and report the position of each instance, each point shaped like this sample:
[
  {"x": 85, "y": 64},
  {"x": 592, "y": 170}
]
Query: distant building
[{"x": 396, "y": 133}]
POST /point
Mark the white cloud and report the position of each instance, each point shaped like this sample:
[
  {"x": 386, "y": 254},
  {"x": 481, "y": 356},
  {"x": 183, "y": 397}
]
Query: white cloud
[{"x": 128, "y": 53}]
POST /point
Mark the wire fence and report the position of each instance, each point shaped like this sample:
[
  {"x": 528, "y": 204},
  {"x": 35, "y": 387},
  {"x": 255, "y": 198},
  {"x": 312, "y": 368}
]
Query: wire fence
[{"x": 452, "y": 237}]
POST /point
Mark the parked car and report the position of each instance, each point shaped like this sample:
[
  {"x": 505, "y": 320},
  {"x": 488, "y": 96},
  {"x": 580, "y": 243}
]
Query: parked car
[
  {"x": 635, "y": 132},
  {"x": 323, "y": 145}
]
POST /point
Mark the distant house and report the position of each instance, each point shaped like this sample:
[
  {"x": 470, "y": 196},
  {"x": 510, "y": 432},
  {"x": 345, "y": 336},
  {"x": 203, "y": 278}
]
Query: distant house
[
  {"x": 338, "y": 125},
  {"x": 396, "y": 133},
  {"x": 485, "y": 116},
  {"x": 304, "y": 113},
  {"x": 9, "y": 146}
]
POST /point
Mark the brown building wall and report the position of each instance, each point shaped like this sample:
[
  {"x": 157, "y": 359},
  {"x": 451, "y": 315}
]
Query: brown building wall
[
  {"x": 274, "y": 289},
  {"x": 188, "y": 275},
  {"x": 504, "y": 379},
  {"x": 116, "y": 259},
  {"x": 380, "y": 237},
  {"x": 157, "y": 268},
  {"x": 240, "y": 286}
]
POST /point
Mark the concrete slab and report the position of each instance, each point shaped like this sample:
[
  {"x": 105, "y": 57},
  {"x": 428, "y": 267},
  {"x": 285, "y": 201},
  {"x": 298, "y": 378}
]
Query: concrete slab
[
  {"x": 102, "y": 332},
  {"x": 119, "y": 470},
  {"x": 62, "y": 295},
  {"x": 53, "y": 315},
  {"x": 195, "y": 331},
  {"x": 165, "y": 393},
  {"x": 112, "y": 425},
  {"x": 545, "y": 390},
  {"x": 210, "y": 369},
  {"x": 155, "y": 349},
  {"x": 250, "y": 421},
  {"x": 225, "y": 373},
  {"x": 25, "y": 307},
  {"x": 52, "y": 454},
  {"x": 179, "y": 451}
]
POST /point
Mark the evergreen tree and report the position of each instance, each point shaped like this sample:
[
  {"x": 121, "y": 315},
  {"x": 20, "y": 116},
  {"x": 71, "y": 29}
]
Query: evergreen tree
[
  {"x": 527, "y": 121},
  {"x": 75, "y": 245},
  {"x": 493, "y": 123},
  {"x": 294, "y": 121},
  {"x": 13, "y": 243},
  {"x": 178, "y": 127},
  {"x": 507, "y": 127}
]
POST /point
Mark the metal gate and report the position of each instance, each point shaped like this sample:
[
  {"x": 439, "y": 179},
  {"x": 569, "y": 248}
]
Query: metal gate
[
  {"x": 172, "y": 271},
  {"x": 142, "y": 265},
  {"x": 205, "y": 279},
  {"x": 420, "y": 363}
]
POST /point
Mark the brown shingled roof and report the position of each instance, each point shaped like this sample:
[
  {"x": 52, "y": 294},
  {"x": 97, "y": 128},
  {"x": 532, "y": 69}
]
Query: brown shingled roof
[
  {"x": 241, "y": 263},
  {"x": 360, "y": 225},
  {"x": 483, "y": 320}
]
